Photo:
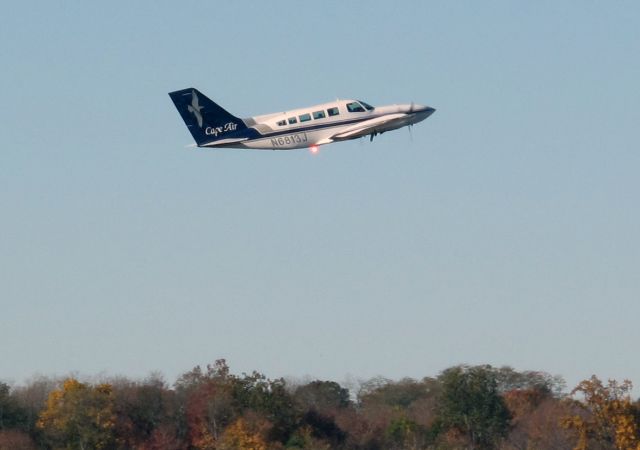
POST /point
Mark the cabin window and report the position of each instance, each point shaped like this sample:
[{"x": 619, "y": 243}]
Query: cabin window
[
  {"x": 333, "y": 111},
  {"x": 318, "y": 115},
  {"x": 282, "y": 123},
  {"x": 354, "y": 107},
  {"x": 366, "y": 105},
  {"x": 292, "y": 120},
  {"x": 305, "y": 117}
]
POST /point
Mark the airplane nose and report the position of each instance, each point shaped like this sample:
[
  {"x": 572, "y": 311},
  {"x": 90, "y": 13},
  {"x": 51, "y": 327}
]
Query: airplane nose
[
  {"x": 418, "y": 113},
  {"x": 421, "y": 109}
]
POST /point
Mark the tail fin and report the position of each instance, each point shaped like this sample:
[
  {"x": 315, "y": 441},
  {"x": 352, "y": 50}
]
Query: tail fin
[{"x": 206, "y": 120}]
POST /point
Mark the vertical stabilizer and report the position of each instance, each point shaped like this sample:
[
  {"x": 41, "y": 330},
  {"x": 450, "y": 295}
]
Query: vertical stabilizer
[{"x": 206, "y": 120}]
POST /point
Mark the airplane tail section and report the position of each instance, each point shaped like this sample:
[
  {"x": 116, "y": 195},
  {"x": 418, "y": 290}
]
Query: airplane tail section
[{"x": 207, "y": 121}]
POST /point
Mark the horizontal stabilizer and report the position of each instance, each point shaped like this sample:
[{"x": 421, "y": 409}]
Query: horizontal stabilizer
[{"x": 222, "y": 142}]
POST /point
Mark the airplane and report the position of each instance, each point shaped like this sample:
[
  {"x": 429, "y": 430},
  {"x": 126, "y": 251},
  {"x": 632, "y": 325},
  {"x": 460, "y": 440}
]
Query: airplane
[{"x": 213, "y": 127}]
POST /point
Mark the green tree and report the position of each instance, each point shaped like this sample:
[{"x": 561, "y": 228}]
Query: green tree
[
  {"x": 405, "y": 434},
  {"x": 12, "y": 415},
  {"x": 32, "y": 398},
  {"x": 471, "y": 405},
  {"x": 268, "y": 398},
  {"x": 323, "y": 396},
  {"x": 399, "y": 394}
]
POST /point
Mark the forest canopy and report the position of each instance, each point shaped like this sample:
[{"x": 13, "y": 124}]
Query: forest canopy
[{"x": 478, "y": 407}]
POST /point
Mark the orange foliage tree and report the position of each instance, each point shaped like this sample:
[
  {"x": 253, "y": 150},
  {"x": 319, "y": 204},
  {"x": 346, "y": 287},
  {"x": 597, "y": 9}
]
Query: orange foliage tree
[
  {"x": 244, "y": 435},
  {"x": 607, "y": 416},
  {"x": 79, "y": 416}
]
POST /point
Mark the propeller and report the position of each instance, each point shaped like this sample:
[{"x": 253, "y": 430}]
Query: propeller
[{"x": 411, "y": 125}]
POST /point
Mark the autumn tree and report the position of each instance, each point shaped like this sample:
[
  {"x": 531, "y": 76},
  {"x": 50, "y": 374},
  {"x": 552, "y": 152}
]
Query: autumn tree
[
  {"x": 79, "y": 416},
  {"x": 210, "y": 408},
  {"x": 208, "y": 403},
  {"x": 215, "y": 398},
  {"x": 244, "y": 435},
  {"x": 509, "y": 379},
  {"x": 535, "y": 424},
  {"x": 471, "y": 406},
  {"x": 145, "y": 414},
  {"x": 390, "y": 414},
  {"x": 606, "y": 418}
]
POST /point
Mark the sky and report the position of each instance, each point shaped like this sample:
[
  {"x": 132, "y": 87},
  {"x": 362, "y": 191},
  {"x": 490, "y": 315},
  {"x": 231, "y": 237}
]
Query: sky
[{"x": 503, "y": 230}]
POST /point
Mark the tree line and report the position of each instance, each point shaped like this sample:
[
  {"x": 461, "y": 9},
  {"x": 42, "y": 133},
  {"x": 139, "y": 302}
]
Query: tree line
[{"x": 470, "y": 407}]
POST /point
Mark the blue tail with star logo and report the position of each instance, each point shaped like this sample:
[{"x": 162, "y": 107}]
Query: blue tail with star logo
[{"x": 207, "y": 121}]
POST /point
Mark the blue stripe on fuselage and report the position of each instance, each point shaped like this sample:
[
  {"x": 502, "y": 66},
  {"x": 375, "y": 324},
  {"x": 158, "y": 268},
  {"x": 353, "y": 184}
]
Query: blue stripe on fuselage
[
  {"x": 318, "y": 126},
  {"x": 255, "y": 135}
]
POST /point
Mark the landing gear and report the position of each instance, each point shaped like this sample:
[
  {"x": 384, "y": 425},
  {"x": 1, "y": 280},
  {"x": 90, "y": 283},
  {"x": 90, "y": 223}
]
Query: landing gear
[{"x": 374, "y": 134}]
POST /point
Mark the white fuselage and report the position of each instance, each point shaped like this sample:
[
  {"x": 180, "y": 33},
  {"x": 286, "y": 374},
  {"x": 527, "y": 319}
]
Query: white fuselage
[{"x": 326, "y": 123}]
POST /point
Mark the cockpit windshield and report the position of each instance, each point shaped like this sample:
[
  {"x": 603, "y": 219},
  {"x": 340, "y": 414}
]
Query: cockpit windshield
[
  {"x": 358, "y": 106},
  {"x": 354, "y": 107},
  {"x": 366, "y": 105}
]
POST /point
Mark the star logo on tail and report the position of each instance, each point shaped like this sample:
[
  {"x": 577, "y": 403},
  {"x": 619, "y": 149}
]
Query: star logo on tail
[{"x": 194, "y": 108}]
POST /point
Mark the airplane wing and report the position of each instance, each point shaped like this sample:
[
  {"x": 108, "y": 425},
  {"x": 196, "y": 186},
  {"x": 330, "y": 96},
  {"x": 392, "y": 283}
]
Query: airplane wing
[{"x": 370, "y": 126}]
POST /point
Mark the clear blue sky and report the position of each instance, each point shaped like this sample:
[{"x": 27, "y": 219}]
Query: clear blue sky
[{"x": 507, "y": 231}]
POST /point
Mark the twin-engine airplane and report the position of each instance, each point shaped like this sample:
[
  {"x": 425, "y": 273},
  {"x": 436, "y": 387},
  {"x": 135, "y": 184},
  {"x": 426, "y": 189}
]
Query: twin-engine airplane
[{"x": 212, "y": 126}]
